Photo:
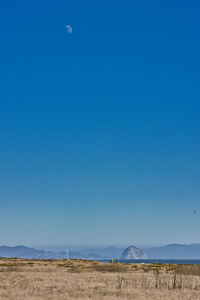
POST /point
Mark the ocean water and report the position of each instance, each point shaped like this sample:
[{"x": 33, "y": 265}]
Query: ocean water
[{"x": 159, "y": 261}]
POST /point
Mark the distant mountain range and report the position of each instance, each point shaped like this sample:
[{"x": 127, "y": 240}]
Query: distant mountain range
[
  {"x": 172, "y": 251},
  {"x": 95, "y": 253},
  {"x": 90, "y": 253},
  {"x": 26, "y": 252}
]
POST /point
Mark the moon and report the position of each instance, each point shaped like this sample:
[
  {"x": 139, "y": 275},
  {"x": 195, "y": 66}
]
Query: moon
[{"x": 69, "y": 29}]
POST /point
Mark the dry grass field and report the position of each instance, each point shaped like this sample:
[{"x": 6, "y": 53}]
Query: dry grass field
[{"x": 78, "y": 279}]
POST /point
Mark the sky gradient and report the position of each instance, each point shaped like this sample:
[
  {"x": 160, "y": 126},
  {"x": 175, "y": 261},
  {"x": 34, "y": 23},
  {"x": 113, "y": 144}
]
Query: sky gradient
[{"x": 99, "y": 129}]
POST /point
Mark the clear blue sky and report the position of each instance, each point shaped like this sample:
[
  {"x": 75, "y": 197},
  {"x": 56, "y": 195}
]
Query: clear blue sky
[{"x": 99, "y": 129}]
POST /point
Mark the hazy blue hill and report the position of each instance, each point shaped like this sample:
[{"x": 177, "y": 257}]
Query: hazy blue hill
[
  {"x": 96, "y": 253},
  {"x": 174, "y": 251},
  {"x": 171, "y": 251},
  {"x": 27, "y": 252},
  {"x": 113, "y": 252},
  {"x": 86, "y": 253},
  {"x": 21, "y": 251}
]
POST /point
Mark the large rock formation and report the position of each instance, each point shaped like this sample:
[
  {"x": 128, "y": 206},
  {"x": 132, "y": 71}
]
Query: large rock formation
[{"x": 133, "y": 253}]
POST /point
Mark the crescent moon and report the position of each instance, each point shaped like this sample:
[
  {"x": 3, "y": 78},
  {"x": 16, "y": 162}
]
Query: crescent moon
[{"x": 69, "y": 28}]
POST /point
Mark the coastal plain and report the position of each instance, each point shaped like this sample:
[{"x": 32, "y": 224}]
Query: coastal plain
[{"x": 81, "y": 279}]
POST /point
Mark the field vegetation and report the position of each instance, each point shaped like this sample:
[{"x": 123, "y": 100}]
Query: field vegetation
[{"x": 79, "y": 279}]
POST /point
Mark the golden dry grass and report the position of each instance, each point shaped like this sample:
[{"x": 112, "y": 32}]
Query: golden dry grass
[{"x": 77, "y": 279}]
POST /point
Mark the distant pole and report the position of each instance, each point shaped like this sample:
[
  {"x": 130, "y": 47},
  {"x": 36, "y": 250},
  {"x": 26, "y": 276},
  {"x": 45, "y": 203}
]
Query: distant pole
[{"x": 67, "y": 254}]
